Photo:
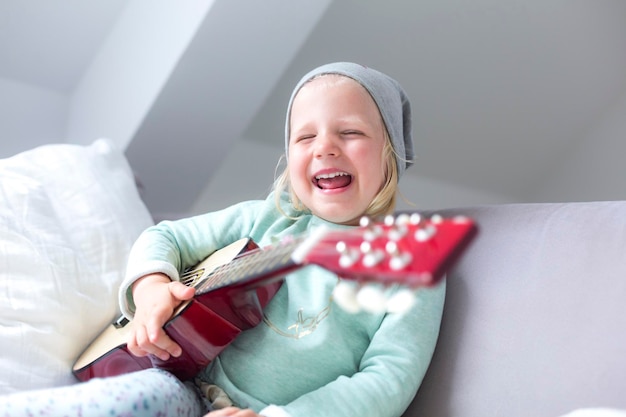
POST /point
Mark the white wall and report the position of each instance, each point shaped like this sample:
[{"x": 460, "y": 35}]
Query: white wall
[
  {"x": 595, "y": 169},
  {"x": 236, "y": 58},
  {"x": 119, "y": 87},
  {"x": 131, "y": 67},
  {"x": 246, "y": 173},
  {"x": 29, "y": 116}
]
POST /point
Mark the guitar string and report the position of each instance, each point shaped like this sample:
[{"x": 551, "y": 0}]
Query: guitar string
[
  {"x": 249, "y": 264},
  {"x": 192, "y": 277}
]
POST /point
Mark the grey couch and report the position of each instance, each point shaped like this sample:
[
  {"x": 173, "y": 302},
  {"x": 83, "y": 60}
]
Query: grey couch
[{"x": 535, "y": 316}]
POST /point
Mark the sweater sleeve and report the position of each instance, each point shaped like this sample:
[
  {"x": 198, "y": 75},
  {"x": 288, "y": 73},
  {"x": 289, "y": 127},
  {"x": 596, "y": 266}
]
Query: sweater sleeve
[
  {"x": 171, "y": 246},
  {"x": 391, "y": 369}
]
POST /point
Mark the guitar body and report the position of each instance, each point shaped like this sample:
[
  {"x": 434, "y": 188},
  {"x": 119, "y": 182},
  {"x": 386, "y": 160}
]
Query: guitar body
[{"x": 203, "y": 326}]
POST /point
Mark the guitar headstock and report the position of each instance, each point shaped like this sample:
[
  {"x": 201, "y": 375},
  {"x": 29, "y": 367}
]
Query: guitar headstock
[{"x": 408, "y": 249}]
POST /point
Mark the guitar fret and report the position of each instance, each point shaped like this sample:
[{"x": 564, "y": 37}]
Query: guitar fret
[{"x": 248, "y": 266}]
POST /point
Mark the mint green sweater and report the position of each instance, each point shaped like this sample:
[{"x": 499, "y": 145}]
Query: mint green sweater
[{"x": 347, "y": 364}]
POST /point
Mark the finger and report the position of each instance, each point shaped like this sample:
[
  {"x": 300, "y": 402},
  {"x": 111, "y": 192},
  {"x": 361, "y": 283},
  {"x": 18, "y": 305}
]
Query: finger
[
  {"x": 228, "y": 411},
  {"x": 159, "y": 343},
  {"x": 140, "y": 345},
  {"x": 181, "y": 291},
  {"x": 245, "y": 413},
  {"x": 150, "y": 339},
  {"x": 132, "y": 343},
  {"x": 233, "y": 412}
]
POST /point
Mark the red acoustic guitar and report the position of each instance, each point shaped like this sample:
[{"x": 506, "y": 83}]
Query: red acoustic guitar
[{"x": 234, "y": 285}]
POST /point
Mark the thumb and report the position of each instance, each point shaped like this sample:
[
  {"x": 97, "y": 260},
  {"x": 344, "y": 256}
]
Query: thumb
[{"x": 181, "y": 291}]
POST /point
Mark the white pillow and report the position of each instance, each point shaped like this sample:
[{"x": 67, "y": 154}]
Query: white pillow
[{"x": 68, "y": 217}]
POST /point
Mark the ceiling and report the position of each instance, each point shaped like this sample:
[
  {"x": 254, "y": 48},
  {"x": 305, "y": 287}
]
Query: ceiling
[
  {"x": 500, "y": 88},
  {"x": 50, "y": 46}
]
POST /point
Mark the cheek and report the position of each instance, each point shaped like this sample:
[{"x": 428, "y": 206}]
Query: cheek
[
  {"x": 297, "y": 173},
  {"x": 371, "y": 160},
  {"x": 293, "y": 163},
  {"x": 296, "y": 154}
]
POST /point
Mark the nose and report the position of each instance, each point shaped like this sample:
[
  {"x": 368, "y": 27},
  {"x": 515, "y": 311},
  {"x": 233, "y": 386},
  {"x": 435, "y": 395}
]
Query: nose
[{"x": 326, "y": 144}]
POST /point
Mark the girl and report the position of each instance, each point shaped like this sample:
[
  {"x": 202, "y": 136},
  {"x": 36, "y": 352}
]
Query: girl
[{"x": 348, "y": 141}]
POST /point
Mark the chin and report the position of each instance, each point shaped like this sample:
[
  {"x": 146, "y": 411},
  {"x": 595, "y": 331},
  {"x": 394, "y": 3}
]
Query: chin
[{"x": 339, "y": 219}]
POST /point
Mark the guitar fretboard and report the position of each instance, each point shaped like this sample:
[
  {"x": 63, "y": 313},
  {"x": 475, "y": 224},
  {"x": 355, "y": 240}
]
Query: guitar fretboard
[{"x": 261, "y": 262}]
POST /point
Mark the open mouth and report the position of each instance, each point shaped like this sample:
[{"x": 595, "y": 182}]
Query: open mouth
[{"x": 332, "y": 180}]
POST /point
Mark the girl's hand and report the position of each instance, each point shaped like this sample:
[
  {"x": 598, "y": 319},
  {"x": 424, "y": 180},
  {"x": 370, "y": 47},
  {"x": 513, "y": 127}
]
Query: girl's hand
[
  {"x": 232, "y": 412},
  {"x": 155, "y": 297}
]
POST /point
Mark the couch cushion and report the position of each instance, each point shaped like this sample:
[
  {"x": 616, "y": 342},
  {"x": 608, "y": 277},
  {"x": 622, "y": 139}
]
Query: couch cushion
[{"x": 535, "y": 316}]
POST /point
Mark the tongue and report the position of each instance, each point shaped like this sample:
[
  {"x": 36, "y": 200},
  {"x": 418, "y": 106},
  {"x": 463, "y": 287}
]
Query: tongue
[{"x": 337, "y": 182}]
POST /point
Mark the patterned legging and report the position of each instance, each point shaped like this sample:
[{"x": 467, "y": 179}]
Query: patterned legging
[{"x": 149, "y": 393}]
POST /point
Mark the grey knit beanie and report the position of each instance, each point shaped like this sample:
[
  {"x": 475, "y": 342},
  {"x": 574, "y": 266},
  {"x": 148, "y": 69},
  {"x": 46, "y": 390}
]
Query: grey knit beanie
[{"x": 392, "y": 102}]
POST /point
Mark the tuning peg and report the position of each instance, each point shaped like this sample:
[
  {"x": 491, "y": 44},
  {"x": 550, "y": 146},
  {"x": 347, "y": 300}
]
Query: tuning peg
[
  {"x": 344, "y": 295},
  {"x": 372, "y": 232},
  {"x": 348, "y": 256},
  {"x": 436, "y": 218},
  {"x": 399, "y": 260},
  {"x": 371, "y": 256},
  {"x": 365, "y": 221},
  {"x": 461, "y": 219},
  {"x": 415, "y": 219},
  {"x": 397, "y": 232},
  {"x": 403, "y": 219},
  {"x": 401, "y": 301},
  {"x": 372, "y": 299},
  {"x": 425, "y": 230},
  {"x": 425, "y": 233}
]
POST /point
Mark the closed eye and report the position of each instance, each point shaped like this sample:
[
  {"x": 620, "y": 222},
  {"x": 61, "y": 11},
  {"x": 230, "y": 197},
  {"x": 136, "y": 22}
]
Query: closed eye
[
  {"x": 352, "y": 133},
  {"x": 304, "y": 138}
]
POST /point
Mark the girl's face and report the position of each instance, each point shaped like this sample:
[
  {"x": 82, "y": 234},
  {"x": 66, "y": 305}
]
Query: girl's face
[{"x": 335, "y": 148}]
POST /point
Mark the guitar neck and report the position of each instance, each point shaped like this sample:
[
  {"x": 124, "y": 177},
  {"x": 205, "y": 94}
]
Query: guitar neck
[
  {"x": 407, "y": 250},
  {"x": 257, "y": 265}
]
